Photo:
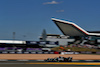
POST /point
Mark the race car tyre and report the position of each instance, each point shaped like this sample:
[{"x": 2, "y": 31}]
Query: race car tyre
[{"x": 69, "y": 59}]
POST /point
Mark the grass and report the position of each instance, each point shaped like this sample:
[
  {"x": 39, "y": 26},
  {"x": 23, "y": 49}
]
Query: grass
[{"x": 79, "y": 49}]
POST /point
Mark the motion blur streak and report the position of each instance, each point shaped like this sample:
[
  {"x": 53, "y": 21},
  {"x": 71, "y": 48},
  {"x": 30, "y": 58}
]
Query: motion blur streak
[{"x": 67, "y": 63}]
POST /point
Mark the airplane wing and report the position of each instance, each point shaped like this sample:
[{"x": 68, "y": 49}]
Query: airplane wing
[{"x": 69, "y": 28}]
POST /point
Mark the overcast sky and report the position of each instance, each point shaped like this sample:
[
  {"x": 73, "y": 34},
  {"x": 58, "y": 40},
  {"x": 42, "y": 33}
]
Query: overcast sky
[{"x": 28, "y": 18}]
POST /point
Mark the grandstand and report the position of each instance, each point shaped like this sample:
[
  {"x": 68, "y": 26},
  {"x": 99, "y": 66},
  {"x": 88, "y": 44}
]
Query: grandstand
[{"x": 80, "y": 35}]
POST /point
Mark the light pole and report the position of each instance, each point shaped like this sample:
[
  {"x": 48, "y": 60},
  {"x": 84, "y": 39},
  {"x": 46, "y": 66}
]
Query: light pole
[{"x": 13, "y": 35}]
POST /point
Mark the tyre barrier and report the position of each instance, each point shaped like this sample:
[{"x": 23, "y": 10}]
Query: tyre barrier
[
  {"x": 48, "y": 52},
  {"x": 25, "y": 52}
]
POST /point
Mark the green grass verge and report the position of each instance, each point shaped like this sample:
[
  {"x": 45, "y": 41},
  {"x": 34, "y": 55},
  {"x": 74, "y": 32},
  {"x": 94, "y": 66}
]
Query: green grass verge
[{"x": 76, "y": 49}]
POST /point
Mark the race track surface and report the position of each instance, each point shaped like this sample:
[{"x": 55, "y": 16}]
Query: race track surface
[
  {"x": 45, "y": 56},
  {"x": 38, "y": 64}
]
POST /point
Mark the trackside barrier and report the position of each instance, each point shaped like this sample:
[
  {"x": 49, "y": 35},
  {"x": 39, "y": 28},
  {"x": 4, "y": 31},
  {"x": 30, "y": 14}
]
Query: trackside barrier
[
  {"x": 4, "y": 52},
  {"x": 86, "y": 52},
  {"x": 39, "y": 52},
  {"x": 56, "y": 52},
  {"x": 25, "y": 52},
  {"x": 12, "y": 52},
  {"x": 69, "y": 52},
  {"x": 97, "y": 52},
  {"x": 19, "y": 52},
  {"x": 47, "y": 52},
  {"x": 33, "y": 52}
]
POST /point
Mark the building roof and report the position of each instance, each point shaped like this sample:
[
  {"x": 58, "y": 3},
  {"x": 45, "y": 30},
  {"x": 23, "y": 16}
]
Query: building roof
[
  {"x": 12, "y": 41},
  {"x": 71, "y": 29}
]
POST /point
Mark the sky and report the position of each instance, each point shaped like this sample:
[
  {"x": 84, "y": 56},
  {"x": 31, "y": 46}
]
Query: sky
[{"x": 28, "y": 18}]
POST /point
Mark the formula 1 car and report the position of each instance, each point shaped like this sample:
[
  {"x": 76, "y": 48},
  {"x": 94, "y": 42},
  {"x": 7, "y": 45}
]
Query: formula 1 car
[{"x": 59, "y": 59}]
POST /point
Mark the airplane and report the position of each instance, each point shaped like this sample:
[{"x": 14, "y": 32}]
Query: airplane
[{"x": 72, "y": 29}]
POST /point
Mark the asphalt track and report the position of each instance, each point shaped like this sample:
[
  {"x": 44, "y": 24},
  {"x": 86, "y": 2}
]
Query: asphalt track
[
  {"x": 49, "y": 64},
  {"x": 43, "y": 65}
]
